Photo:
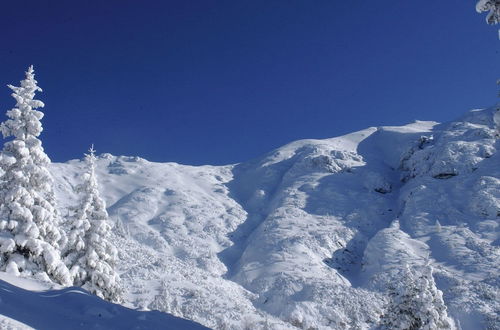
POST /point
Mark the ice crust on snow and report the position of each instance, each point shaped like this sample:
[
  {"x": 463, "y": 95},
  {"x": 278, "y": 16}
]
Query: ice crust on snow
[{"x": 311, "y": 234}]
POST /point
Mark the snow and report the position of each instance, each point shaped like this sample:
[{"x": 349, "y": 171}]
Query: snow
[
  {"x": 90, "y": 255},
  {"x": 73, "y": 308},
  {"x": 312, "y": 234},
  {"x": 31, "y": 236},
  {"x": 493, "y": 9}
]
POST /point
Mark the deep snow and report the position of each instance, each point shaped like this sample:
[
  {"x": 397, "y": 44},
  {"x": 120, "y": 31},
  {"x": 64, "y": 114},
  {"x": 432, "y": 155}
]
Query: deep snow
[
  {"x": 310, "y": 234},
  {"x": 73, "y": 308}
]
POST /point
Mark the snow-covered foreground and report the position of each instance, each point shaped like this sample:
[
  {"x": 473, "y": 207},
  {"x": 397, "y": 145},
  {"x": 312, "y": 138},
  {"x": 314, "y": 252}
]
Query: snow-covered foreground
[
  {"x": 313, "y": 234},
  {"x": 35, "y": 307}
]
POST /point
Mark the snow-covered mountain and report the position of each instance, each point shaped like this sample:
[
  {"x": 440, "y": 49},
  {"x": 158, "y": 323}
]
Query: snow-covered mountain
[{"x": 316, "y": 234}]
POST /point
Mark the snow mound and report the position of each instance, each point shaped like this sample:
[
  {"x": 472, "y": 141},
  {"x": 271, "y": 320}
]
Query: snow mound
[{"x": 74, "y": 308}]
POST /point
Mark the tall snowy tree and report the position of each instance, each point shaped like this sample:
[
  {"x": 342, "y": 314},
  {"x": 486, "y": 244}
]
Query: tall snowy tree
[
  {"x": 90, "y": 255},
  {"x": 416, "y": 303},
  {"x": 29, "y": 234},
  {"x": 493, "y": 9}
]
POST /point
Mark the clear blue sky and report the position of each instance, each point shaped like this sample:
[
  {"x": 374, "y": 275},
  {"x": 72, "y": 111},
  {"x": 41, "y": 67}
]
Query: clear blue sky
[{"x": 217, "y": 82}]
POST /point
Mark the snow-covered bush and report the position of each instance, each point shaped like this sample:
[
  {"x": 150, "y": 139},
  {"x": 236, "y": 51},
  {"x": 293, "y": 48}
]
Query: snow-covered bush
[
  {"x": 90, "y": 254},
  {"x": 457, "y": 150},
  {"x": 415, "y": 302},
  {"x": 30, "y": 238},
  {"x": 486, "y": 197}
]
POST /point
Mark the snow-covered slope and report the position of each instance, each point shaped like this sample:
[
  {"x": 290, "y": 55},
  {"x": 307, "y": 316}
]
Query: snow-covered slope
[
  {"x": 29, "y": 305},
  {"x": 312, "y": 234}
]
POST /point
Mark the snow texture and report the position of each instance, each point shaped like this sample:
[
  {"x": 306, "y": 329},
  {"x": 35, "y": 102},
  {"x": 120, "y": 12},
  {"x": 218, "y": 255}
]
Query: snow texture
[
  {"x": 312, "y": 234},
  {"x": 338, "y": 233},
  {"x": 74, "y": 308}
]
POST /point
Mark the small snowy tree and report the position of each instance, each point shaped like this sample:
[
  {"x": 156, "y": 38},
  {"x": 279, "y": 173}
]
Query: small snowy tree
[
  {"x": 416, "y": 303},
  {"x": 493, "y": 9},
  {"x": 90, "y": 255},
  {"x": 438, "y": 226},
  {"x": 29, "y": 234}
]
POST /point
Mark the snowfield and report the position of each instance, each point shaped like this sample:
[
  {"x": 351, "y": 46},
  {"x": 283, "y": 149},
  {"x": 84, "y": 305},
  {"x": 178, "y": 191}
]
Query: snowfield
[{"x": 313, "y": 235}]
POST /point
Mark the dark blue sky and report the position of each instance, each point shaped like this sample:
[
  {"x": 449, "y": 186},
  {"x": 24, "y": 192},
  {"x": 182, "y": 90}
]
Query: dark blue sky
[{"x": 216, "y": 82}]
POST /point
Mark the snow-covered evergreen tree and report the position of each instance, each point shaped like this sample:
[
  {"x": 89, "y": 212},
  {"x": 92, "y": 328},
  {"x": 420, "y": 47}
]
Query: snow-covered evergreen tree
[
  {"x": 493, "y": 9},
  {"x": 29, "y": 234},
  {"x": 90, "y": 255},
  {"x": 416, "y": 303}
]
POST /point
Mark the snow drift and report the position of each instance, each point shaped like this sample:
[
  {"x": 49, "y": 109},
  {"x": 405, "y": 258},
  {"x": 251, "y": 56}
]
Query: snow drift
[{"x": 73, "y": 308}]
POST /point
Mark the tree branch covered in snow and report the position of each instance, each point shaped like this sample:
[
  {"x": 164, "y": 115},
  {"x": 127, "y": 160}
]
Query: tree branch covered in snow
[
  {"x": 493, "y": 9},
  {"x": 416, "y": 303}
]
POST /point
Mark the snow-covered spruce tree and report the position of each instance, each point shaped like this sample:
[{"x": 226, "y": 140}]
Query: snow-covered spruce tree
[
  {"x": 493, "y": 9},
  {"x": 29, "y": 234},
  {"x": 416, "y": 303},
  {"x": 90, "y": 255}
]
